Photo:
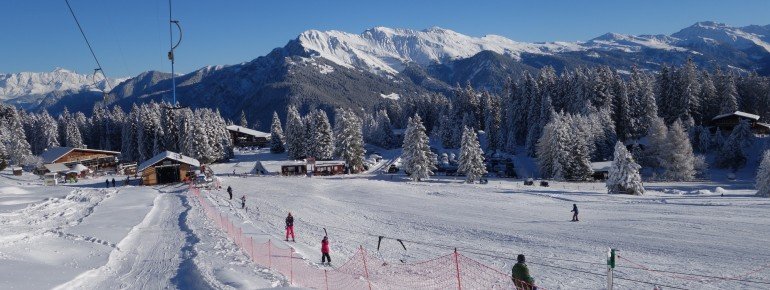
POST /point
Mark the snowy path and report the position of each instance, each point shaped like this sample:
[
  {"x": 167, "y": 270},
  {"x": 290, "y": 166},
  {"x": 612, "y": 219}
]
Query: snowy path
[{"x": 148, "y": 257}]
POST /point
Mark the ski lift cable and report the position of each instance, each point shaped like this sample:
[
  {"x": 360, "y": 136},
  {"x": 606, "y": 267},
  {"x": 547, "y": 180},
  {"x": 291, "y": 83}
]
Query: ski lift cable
[
  {"x": 88, "y": 43},
  {"x": 172, "y": 47}
]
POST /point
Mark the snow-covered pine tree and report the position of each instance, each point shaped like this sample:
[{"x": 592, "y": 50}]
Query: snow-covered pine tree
[
  {"x": 471, "y": 157},
  {"x": 72, "y": 136},
  {"x": 743, "y": 134},
  {"x": 579, "y": 164},
  {"x": 16, "y": 145},
  {"x": 128, "y": 148},
  {"x": 115, "y": 129},
  {"x": 419, "y": 161},
  {"x": 763, "y": 176},
  {"x": 323, "y": 136},
  {"x": 727, "y": 94},
  {"x": 709, "y": 100},
  {"x": 47, "y": 131},
  {"x": 656, "y": 144},
  {"x": 731, "y": 154},
  {"x": 553, "y": 148},
  {"x": 624, "y": 175},
  {"x": 704, "y": 140},
  {"x": 678, "y": 158},
  {"x": 719, "y": 139},
  {"x": 643, "y": 107},
  {"x": 295, "y": 131},
  {"x": 244, "y": 123},
  {"x": 384, "y": 131},
  {"x": 276, "y": 135},
  {"x": 350, "y": 140}
]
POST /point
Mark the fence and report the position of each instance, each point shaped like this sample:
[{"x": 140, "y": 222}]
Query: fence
[{"x": 362, "y": 270}]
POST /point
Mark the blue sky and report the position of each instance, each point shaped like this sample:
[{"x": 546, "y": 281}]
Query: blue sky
[{"x": 131, "y": 36}]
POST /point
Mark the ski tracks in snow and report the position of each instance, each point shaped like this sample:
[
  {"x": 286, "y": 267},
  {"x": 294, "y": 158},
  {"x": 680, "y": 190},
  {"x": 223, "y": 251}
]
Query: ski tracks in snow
[{"x": 147, "y": 258}]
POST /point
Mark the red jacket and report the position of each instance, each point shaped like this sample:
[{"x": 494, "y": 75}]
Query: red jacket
[{"x": 325, "y": 246}]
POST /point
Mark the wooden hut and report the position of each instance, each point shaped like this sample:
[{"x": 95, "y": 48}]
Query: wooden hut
[
  {"x": 324, "y": 168},
  {"x": 167, "y": 167},
  {"x": 726, "y": 122},
  {"x": 244, "y": 137}
]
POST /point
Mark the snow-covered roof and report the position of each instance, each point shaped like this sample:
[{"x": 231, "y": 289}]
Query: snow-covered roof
[
  {"x": 56, "y": 167},
  {"x": 275, "y": 166},
  {"x": 50, "y": 155},
  {"x": 330, "y": 162},
  {"x": 248, "y": 131},
  {"x": 79, "y": 167},
  {"x": 168, "y": 155},
  {"x": 739, "y": 114},
  {"x": 601, "y": 166}
]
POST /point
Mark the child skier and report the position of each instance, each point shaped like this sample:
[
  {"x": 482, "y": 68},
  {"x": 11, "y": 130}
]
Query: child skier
[
  {"x": 325, "y": 258},
  {"x": 575, "y": 213},
  {"x": 113, "y": 182},
  {"x": 230, "y": 192},
  {"x": 289, "y": 227},
  {"x": 243, "y": 201},
  {"x": 520, "y": 275}
]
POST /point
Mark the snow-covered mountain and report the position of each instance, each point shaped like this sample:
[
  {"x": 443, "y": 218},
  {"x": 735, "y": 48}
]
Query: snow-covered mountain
[
  {"x": 328, "y": 69},
  {"x": 31, "y": 87},
  {"x": 388, "y": 50}
]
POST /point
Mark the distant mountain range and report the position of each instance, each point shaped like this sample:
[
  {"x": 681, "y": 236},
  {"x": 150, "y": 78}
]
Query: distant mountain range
[{"x": 327, "y": 69}]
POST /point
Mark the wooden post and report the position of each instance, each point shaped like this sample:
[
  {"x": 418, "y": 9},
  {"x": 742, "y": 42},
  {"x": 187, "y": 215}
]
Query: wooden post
[
  {"x": 366, "y": 270},
  {"x": 291, "y": 266},
  {"x": 457, "y": 267}
]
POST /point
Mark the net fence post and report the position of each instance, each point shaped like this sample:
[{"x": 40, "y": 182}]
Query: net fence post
[
  {"x": 326, "y": 279},
  {"x": 291, "y": 266},
  {"x": 366, "y": 270},
  {"x": 269, "y": 254},
  {"x": 457, "y": 269}
]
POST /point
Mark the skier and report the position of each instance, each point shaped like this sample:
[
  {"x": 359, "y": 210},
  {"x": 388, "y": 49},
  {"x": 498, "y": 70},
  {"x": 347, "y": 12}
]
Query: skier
[
  {"x": 107, "y": 182},
  {"x": 113, "y": 182},
  {"x": 575, "y": 213},
  {"x": 243, "y": 201},
  {"x": 520, "y": 275},
  {"x": 325, "y": 251},
  {"x": 289, "y": 227},
  {"x": 230, "y": 192}
]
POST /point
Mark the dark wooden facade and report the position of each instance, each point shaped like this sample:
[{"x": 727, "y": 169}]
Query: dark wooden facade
[{"x": 165, "y": 171}]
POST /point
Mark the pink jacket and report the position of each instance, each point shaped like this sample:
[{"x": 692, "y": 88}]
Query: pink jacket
[{"x": 325, "y": 246}]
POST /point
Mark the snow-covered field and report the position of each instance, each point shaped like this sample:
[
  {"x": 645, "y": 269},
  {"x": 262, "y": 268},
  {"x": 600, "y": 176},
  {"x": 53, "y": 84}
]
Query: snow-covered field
[{"x": 84, "y": 236}]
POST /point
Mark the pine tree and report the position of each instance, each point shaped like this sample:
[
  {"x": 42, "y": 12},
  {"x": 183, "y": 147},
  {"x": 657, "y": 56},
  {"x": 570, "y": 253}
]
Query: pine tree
[
  {"x": 719, "y": 138},
  {"x": 47, "y": 132},
  {"x": 624, "y": 175},
  {"x": 553, "y": 148},
  {"x": 704, "y": 140},
  {"x": 656, "y": 144},
  {"x": 471, "y": 157},
  {"x": 295, "y": 131},
  {"x": 15, "y": 141},
  {"x": 72, "y": 136},
  {"x": 731, "y": 154},
  {"x": 323, "y": 136},
  {"x": 244, "y": 123},
  {"x": 763, "y": 176},
  {"x": 419, "y": 161},
  {"x": 727, "y": 94},
  {"x": 350, "y": 140},
  {"x": 678, "y": 158},
  {"x": 276, "y": 135}
]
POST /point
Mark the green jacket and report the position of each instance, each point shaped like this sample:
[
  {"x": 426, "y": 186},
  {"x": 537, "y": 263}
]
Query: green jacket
[{"x": 519, "y": 274}]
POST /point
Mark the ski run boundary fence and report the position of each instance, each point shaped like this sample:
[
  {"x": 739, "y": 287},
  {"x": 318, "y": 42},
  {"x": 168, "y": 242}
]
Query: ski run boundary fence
[{"x": 362, "y": 270}]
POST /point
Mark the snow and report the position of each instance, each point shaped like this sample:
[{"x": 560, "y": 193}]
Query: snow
[
  {"x": 248, "y": 131},
  {"x": 83, "y": 235},
  {"x": 391, "y": 96},
  {"x": 388, "y": 50},
  {"x": 738, "y": 113},
  {"x": 28, "y": 83}
]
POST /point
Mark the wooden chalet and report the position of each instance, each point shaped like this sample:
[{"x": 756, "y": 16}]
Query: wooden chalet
[
  {"x": 96, "y": 160},
  {"x": 167, "y": 167},
  {"x": 245, "y": 137},
  {"x": 726, "y": 122},
  {"x": 332, "y": 167},
  {"x": 601, "y": 170}
]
